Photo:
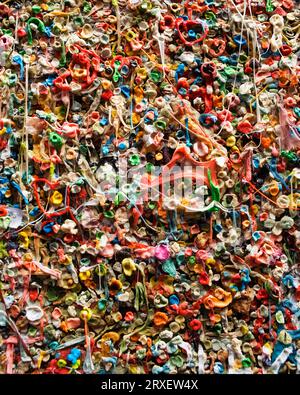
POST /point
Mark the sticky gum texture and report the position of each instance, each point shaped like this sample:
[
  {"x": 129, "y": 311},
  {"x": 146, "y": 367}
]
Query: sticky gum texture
[{"x": 91, "y": 284}]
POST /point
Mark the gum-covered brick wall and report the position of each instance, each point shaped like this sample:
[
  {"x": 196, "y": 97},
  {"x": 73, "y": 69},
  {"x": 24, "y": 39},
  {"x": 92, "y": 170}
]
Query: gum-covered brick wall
[{"x": 149, "y": 186}]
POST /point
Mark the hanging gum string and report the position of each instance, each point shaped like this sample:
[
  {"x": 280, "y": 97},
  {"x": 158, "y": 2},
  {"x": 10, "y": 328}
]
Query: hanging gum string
[
  {"x": 139, "y": 329},
  {"x": 239, "y": 55},
  {"x": 52, "y": 186},
  {"x": 25, "y": 119},
  {"x": 254, "y": 46},
  {"x": 15, "y": 329},
  {"x": 116, "y": 5}
]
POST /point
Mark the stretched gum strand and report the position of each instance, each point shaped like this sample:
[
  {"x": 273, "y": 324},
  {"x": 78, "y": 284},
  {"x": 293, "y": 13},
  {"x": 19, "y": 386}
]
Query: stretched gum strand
[{"x": 262, "y": 194}]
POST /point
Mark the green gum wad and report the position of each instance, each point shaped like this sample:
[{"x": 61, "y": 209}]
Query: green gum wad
[
  {"x": 169, "y": 267},
  {"x": 215, "y": 191},
  {"x": 155, "y": 75},
  {"x": 56, "y": 140},
  {"x": 4, "y": 222},
  {"x": 3, "y": 251}
]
